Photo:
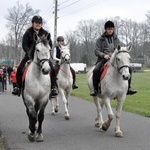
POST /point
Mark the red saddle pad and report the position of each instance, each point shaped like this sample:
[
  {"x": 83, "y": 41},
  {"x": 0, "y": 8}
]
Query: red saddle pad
[{"x": 105, "y": 67}]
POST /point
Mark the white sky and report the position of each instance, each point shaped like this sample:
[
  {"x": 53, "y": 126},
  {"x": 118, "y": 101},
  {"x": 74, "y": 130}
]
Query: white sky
[{"x": 72, "y": 11}]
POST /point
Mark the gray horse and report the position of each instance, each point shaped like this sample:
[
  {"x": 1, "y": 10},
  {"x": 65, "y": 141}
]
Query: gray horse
[
  {"x": 64, "y": 82},
  {"x": 37, "y": 86},
  {"x": 114, "y": 85}
]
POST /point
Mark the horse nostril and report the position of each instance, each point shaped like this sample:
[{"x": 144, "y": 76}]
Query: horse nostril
[{"x": 125, "y": 77}]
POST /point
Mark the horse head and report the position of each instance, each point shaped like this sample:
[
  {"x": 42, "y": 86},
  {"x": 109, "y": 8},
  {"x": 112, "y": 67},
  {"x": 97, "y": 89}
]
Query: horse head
[
  {"x": 65, "y": 54},
  {"x": 121, "y": 60},
  {"x": 41, "y": 52}
]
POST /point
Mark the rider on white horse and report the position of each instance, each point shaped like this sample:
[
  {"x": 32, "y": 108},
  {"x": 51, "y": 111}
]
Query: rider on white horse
[
  {"x": 105, "y": 46},
  {"x": 57, "y": 55},
  {"x": 26, "y": 45}
]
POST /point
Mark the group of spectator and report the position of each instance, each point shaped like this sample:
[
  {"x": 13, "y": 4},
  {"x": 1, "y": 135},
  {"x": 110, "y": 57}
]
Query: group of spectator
[{"x": 7, "y": 75}]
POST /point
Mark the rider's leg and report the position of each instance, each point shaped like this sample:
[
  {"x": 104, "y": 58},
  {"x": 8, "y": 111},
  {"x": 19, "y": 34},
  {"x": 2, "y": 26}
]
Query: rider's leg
[
  {"x": 74, "y": 86},
  {"x": 130, "y": 91},
  {"x": 17, "y": 91},
  {"x": 96, "y": 78},
  {"x": 54, "y": 88}
]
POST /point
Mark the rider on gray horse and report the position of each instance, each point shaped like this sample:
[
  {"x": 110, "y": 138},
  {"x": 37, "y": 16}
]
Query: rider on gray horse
[
  {"x": 105, "y": 46},
  {"x": 26, "y": 45},
  {"x": 57, "y": 55}
]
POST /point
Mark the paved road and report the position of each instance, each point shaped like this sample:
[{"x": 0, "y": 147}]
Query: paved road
[{"x": 78, "y": 133}]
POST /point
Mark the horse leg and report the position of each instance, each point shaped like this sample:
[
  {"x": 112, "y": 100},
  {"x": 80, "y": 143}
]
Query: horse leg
[
  {"x": 107, "y": 123},
  {"x": 36, "y": 106},
  {"x": 53, "y": 106},
  {"x": 32, "y": 121},
  {"x": 99, "y": 119},
  {"x": 67, "y": 98},
  {"x": 118, "y": 132},
  {"x": 39, "y": 136},
  {"x": 67, "y": 116},
  {"x": 57, "y": 104}
]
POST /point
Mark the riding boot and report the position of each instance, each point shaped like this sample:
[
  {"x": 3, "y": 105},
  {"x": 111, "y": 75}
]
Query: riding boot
[
  {"x": 95, "y": 84},
  {"x": 54, "y": 87},
  {"x": 96, "y": 78},
  {"x": 17, "y": 89},
  {"x": 74, "y": 86},
  {"x": 130, "y": 91}
]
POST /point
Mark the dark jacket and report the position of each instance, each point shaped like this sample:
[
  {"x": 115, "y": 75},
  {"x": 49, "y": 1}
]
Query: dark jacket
[
  {"x": 102, "y": 47},
  {"x": 58, "y": 52},
  {"x": 28, "y": 38}
]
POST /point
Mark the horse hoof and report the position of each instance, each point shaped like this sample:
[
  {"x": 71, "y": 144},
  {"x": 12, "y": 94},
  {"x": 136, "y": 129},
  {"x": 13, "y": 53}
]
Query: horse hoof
[
  {"x": 31, "y": 136},
  {"x": 118, "y": 134},
  {"x": 39, "y": 138},
  {"x": 67, "y": 117},
  {"x": 104, "y": 127},
  {"x": 97, "y": 125},
  {"x": 56, "y": 110}
]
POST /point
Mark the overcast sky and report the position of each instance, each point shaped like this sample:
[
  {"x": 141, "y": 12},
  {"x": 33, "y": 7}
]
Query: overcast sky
[{"x": 72, "y": 11}]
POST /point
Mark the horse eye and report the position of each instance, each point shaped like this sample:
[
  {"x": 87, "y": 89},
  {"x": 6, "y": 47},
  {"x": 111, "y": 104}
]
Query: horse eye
[
  {"x": 118, "y": 59},
  {"x": 37, "y": 50}
]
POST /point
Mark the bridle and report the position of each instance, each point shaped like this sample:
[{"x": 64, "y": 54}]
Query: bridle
[
  {"x": 123, "y": 66},
  {"x": 63, "y": 58},
  {"x": 40, "y": 62}
]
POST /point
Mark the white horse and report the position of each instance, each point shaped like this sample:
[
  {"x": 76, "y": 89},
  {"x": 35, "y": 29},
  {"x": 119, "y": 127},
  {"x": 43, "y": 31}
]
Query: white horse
[
  {"x": 64, "y": 81},
  {"x": 37, "y": 85},
  {"x": 114, "y": 85}
]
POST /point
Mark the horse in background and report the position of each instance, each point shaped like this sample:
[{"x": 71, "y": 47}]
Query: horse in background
[
  {"x": 114, "y": 85},
  {"x": 64, "y": 81},
  {"x": 37, "y": 86}
]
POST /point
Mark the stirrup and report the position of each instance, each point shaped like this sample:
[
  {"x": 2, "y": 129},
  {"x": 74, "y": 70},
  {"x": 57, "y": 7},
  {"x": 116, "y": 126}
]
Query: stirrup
[
  {"x": 74, "y": 86},
  {"x": 54, "y": 92},
  {"x": 16, "y": 91},
  {"x": 94, "y": 93},
  {"x": 131, "y": 91}
]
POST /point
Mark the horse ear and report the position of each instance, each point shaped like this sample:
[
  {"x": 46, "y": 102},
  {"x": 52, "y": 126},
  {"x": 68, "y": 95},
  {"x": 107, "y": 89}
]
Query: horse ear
[
  {"x": 48, "y": 36},
  {"x": 35, "y": 37},
  {"x": 118, "y": 47},
  {"x": 129, "y": 47}
]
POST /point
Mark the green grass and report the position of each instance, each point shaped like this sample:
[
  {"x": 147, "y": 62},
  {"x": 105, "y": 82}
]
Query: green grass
[{"x": 138, "y": 103}]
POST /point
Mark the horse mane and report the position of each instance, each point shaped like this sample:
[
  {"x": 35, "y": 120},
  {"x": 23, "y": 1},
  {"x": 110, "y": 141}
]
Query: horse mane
[
  {"x": 113, "y": 56},
  {"x": 42, "y": 40}
]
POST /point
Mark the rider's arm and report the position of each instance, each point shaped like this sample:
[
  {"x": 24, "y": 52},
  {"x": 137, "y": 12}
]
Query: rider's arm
[
  {"x": 98, "y": 50},
  {"x": 25, "y": 42},
  {"x": 54, "y": 55}
]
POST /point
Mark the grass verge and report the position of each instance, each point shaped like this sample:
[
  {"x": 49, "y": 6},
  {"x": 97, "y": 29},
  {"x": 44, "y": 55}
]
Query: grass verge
[{"x": 138, "y": 103}]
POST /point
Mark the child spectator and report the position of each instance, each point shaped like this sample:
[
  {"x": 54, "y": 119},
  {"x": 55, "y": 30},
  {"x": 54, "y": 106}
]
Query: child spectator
[{"x": 13, "y": 77}]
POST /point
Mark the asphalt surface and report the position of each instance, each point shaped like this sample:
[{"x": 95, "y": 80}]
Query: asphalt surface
[{"x": 78, "y": 133}]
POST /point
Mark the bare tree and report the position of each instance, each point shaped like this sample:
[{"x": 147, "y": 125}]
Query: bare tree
[
  {"x": 19, "y": 18},
  {"x": 75, "y": 46},
  {"x": 86, "y": 32}
]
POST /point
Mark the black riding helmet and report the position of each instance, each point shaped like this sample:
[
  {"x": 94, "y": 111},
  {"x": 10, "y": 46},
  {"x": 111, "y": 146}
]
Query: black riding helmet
[
  {"x": 37, "y": 19},
  {"x": 60, "y": 38},
  {"x": 109, "y": 24}
]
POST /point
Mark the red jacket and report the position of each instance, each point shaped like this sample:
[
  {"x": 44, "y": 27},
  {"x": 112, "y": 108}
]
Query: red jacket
[{"x": 13, "y": 77}]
